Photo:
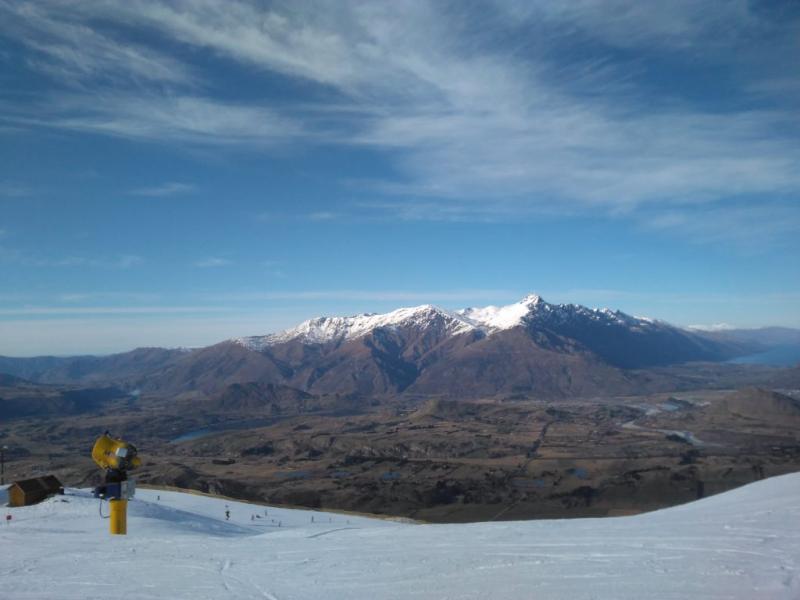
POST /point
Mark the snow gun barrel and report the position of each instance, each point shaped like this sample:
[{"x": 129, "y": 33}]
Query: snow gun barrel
[{"x": 115, "y": 454}]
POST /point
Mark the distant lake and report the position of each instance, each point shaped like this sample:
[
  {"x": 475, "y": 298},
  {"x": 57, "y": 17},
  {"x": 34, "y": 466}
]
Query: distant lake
[
  {"x": 782, "y": 356},
  {"x": 192, "y": 435},
  {"x": 222, "y": 427}
]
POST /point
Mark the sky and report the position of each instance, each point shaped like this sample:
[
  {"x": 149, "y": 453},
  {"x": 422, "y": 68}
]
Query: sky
[{"x": 180, "y": 173}]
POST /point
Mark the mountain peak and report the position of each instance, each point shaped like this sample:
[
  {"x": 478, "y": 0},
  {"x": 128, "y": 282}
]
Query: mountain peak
[{"x": 532, "y": 300}]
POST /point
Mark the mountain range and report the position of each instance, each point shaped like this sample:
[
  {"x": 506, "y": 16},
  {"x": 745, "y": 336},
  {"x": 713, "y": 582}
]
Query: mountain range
[{"x": 529, "y": 347}]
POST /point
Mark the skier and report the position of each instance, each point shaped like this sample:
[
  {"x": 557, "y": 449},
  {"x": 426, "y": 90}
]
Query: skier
[{"x": 227, "y": 515}]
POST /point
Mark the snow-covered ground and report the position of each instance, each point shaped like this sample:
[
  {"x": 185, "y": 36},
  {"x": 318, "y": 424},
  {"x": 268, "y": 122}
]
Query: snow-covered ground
[{"x": 742, "y": 544}]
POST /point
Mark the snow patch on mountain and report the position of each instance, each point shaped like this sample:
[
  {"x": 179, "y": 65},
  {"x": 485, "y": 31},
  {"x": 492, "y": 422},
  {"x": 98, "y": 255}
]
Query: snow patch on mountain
[
  {"x": 497, "y": 318},
  {"x": 334, "y": 329}
]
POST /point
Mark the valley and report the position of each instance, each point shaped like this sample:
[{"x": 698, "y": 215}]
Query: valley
[
  {"x": 440, "y": 460},
  {"x": 531, "y": 410}
]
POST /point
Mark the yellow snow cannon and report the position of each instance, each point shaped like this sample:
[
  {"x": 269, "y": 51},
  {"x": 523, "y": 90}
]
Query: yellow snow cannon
[
  {"x": 116, "y": 457},
  {"x": 115, "y": 454}
]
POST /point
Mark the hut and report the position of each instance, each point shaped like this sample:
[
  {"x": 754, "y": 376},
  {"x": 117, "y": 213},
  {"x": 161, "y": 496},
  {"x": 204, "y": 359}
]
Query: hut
[{"x": 32, "y": 491}]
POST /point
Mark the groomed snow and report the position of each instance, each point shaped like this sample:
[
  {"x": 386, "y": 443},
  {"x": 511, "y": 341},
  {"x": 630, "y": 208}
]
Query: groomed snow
[{"x": 742, "y": 544}]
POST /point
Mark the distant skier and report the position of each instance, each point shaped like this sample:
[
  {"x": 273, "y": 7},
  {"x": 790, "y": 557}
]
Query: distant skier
[{"x": 227, "y": 515}]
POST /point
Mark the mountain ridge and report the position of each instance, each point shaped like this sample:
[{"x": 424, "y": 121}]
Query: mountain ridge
[
  {"x": 488, "y": 320},
  {"x": 528, "y": 347}
]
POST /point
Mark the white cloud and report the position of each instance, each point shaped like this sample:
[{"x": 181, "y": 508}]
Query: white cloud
[
  {"x": 485, "y": 114},
  {"x": 109, "y": 310},
  {"x": 212, "y": 262},
  {"x": 128, "y": 260},
  {"x": 170, "y": 188},
  {"x": 322, "y": 215},
  {"x": 752, "y": 226},
  {"x": 15, "y": 256},
  {"x": 712, "y": 327},
  {"x": 679, "y": 24},
  {"x": 74, "y": 52},
  {"x": 490, "y": 124},
  {"x": 13, "y": 190},
  {"x": 92, "y": 296},
  {"x": 423, "y": 296},
  {"x": 174, "y": 118}
]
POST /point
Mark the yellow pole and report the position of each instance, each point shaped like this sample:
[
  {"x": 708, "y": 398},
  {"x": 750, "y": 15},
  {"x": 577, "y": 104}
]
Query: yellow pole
[{"x": 119, "y": 517}]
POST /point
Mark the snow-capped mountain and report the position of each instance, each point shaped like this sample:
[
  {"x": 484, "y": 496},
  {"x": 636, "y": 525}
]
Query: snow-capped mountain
[
  {"x": 530, "y": 347},
  {"x": 532, "y": 309}
]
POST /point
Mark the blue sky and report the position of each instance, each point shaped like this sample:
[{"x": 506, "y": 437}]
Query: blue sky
[{"x": 180, "y": 173}]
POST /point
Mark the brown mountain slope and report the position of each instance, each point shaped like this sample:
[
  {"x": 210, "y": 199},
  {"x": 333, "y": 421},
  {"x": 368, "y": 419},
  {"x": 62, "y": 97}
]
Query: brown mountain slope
[
  {"x": 513, "y": 361},
  {"x": 382, "y": 362},
  {"x": 212, "y": 369},
  {"x": 758, "y": 403}
]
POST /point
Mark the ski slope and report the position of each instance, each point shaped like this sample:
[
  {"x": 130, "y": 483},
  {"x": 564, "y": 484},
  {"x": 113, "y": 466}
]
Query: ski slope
[{"x": 741, "y": 544}]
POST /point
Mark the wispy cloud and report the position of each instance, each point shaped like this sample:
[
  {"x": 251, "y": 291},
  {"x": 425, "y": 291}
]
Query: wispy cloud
[
  {"x": 677, "y": 25},
  {"x": 109, "y": 310},
  {"x": 15, "y": 256},
  {"x": 422, "y": 296},
  {"x": 212, "y": 262},
  {"x": 159, "y": 117},
  {"x": 74, "y": 52},
  {"x": 483, "y": 114},
  {"x": 170, "y": 188},
  {"x": 712, "y": 327},
  {"x": 93, "y": 296},
  {"x": 13, "y": 190},
  {"x": 752, "y": 226},
  {"x": 128, "y": 260},
  {"x": 323, "y": 215}
]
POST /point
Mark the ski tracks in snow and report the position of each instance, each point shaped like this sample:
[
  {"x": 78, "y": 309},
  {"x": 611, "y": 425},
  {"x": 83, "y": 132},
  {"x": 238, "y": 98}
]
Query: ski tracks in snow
[{"x": 249, "y": 586}]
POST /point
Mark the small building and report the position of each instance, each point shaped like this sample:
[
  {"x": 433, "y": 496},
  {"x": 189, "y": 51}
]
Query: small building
[{"x": 33, "y": 491}]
